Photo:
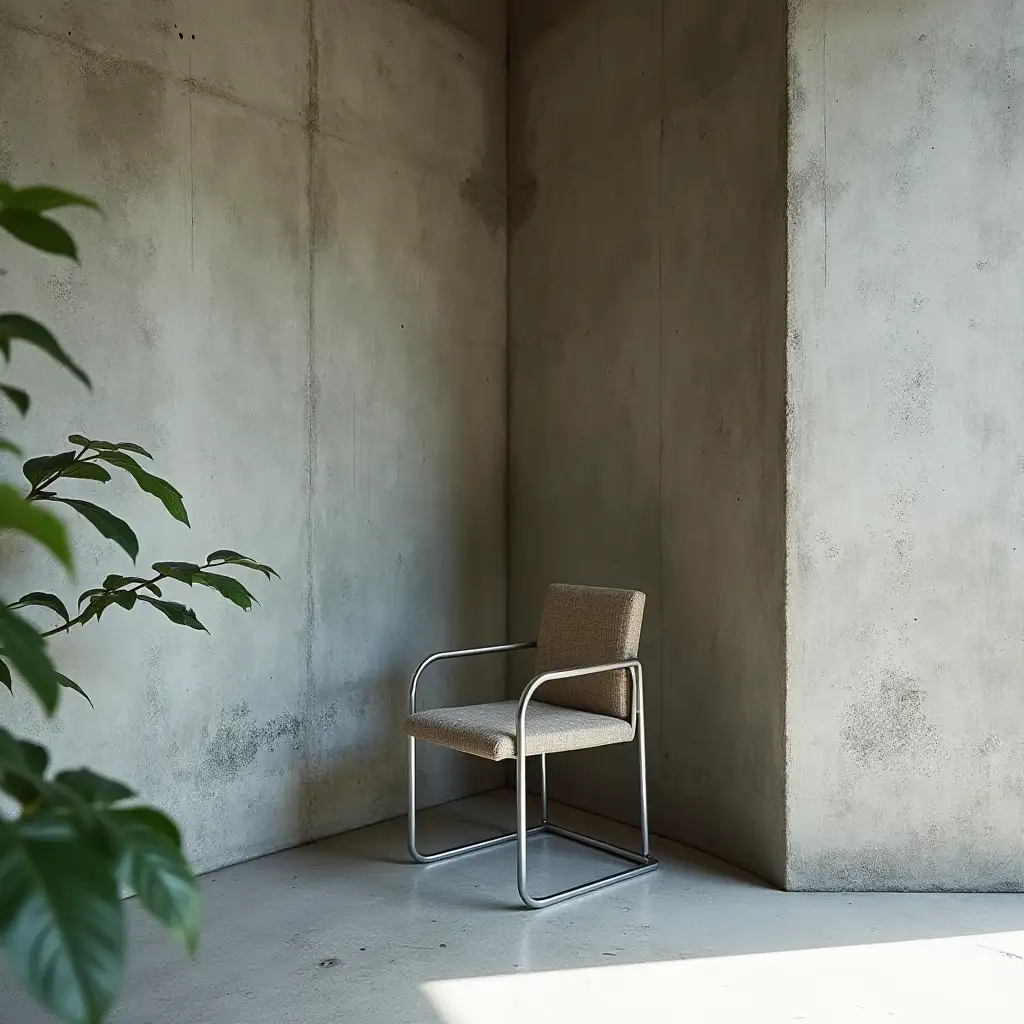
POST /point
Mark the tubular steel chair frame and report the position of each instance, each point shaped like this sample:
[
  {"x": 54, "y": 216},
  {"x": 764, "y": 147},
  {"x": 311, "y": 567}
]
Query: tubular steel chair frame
[{"x": 642, "y": 862}]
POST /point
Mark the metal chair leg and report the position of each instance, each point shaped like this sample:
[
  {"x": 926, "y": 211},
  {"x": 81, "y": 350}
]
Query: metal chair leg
[
  {"x": 543, "y": 789},
  {"x": 455, "y": 851},
  {"x": 643, "y": 862}
]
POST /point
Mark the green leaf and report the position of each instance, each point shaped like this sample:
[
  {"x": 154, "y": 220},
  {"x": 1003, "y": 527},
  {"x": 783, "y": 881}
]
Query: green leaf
[
  {"x": 18, "y": 514},
  {"x": 17, "y": 327},
  {"x": 90, "y": 593},
  {"x": 86, "y": 471},
  {"x": 93, "y": 788},
  {"x": 98, "y": 446},
  {"x": 37, "y": 600},
  {"x": 40, "y": 198},
  {"x": 153, "y": 865},
  {"x": 227, "y": 587},
  {"x": 22, "y": 755},
  {"x": 18, "y": 397},
  {"x": 234, "y": 558},
  {"x": 161, "y": 824},
  {"x": 70, "y": 684},
  {"x": 9, "y": 446},
  {"x": 61, "y": 919},
  {"x": 40, "y": 232},
  {"x": 113, "y": 582},
  {"x": 107, "y": 446},
  {"x": 22, "y": 767},
  {"x": 96, "y": 607},
  {"x": 158, "y": 487},
  {"x": 130, "y": 446},
  {"x": 176, "y": 612},
  {"x": 5, "y": 676},
  {"x": 25, "y": 649},
  {"x": 107, "y": 523},
  {"x": 39, "y": 469},
  {"x": 183, "y": 572},
  {"x": 190, "y": 573},
  {"x": 124, "y": 598}
]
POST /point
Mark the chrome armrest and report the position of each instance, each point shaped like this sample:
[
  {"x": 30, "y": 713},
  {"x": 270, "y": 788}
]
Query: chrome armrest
[
  {"x": 632, "y": 666},
  {"x": 449, "y": 655}
]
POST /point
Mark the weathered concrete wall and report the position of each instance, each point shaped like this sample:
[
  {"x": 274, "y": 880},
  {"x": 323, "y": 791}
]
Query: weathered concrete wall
[
  {"x": 297, "y": 300},
  {"x": 906, "y": 445},
  {"x": 647, "y": 338}
]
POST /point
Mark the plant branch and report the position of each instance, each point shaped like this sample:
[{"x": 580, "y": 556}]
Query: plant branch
[
  {"x": 37, "y": 489},
  {"x": 134, "y": 588},
  {"x": 80, "y": 618}
]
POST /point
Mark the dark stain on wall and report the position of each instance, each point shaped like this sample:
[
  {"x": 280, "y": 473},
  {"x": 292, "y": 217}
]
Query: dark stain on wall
[
  {"x": 121, "y": 123},
  {"x": 913, "y": 397},
  {"x": 713, "y": 42},
  {"x": 887, "y": 721},
  {"x": 530, "y": 20},
  {"x": 924, "y": 855},
  {"x": 522, "y": 182},
  {"x": 238, "y": 740},
  {"x": 485, "y": 188},
  {"x": 488, "y": 200},
  {"x": 482, "y": 20}
]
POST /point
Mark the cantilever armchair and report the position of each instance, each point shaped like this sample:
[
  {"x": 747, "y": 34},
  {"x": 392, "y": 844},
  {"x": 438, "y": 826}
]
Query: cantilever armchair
[{"x": 588, "y": 692}]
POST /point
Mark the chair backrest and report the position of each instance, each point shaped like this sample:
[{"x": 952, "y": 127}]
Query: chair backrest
[{"x": 589, "y": 626}]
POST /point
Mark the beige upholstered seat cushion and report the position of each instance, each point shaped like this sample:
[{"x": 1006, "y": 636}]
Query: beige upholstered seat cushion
[
  {"x": 489, "y": 730},
  {"x": 583, "y": 626}
]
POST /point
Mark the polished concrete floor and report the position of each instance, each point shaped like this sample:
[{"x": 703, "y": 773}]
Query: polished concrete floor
[{"x": 347, "y": 931}]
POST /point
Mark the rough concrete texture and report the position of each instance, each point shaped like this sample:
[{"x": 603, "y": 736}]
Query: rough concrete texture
[
  {"x": 647, "y": 339},
  {"x": 906, "y": 446},
  {"x": 296, "y": 300},
  {"x": 348, "y": 930}
]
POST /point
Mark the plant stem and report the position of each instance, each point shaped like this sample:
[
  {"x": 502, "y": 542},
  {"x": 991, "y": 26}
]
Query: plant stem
[
  {"x": 133, "y": 589},
  {"x": 37, "y": 489}
]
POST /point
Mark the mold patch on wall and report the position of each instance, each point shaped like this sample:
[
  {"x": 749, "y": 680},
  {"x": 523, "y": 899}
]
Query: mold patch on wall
[{"x": 239, "y": 740}]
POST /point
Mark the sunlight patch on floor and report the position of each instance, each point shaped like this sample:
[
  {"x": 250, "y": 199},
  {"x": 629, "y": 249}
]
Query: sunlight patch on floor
[{"x": 977, "y": 979}]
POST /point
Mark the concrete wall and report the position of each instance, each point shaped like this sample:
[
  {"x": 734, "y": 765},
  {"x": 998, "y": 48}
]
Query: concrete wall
[
  {"x": 297, "y": 300},
  {"x": 647, "y": 340},
  {"x": 906, "y": 492}
]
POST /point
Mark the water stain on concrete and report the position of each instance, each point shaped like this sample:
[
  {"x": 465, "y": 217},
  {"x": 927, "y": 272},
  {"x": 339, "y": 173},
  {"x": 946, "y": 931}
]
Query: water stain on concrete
[
  {"x": 482, "y": 20},
  {"x": 530, "y": 20},
  {"x": 121, "y": 123},
  {"x": 485, "y": 188},
  {"x": 238, "y": 740},
  {"x": 486, "y": 199},
  {"x": 711, "y": 43},
  {"x": 888, "y": 722}
]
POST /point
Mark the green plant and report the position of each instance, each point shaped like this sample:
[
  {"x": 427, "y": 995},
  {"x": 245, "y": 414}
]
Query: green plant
[{"x": 79, "y": 839}]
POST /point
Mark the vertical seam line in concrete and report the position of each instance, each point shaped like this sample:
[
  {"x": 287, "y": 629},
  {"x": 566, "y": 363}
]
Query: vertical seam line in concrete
[
  {"x": 191, "y": 174},
  {"x": 787, "y": 130},
  {"x": 659, "y": 739},
  {"x": 508, "y": 334},
  {"x": 824, "y": 134},
  {"x": 312, "y": 122}
]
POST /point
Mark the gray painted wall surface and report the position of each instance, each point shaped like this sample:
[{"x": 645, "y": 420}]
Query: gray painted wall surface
[
  {"x": 647, "y": 342},
  {"x": 297, "y": 300},
  {"x": 906, "y": 446}
]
